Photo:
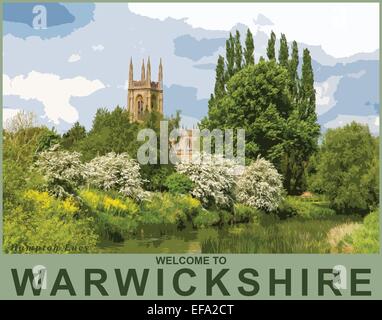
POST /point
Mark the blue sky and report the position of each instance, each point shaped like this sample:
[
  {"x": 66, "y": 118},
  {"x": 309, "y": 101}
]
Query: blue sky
[{"x": 80, "y": 61}]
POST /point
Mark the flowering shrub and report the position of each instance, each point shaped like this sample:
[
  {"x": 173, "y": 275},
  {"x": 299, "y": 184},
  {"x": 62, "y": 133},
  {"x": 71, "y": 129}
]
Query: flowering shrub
[
  {"x": 213, "y": 179},
  {"x": 42, "y": 223},
  {"x": 260, "y": 186},
  {"x": 62, "y": 170},
  {"x": 98, "y": 201},
  {"x": 116, "y": 172}
]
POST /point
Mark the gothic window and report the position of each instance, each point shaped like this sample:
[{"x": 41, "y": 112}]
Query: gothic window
[{"x": 140, "y": 107}]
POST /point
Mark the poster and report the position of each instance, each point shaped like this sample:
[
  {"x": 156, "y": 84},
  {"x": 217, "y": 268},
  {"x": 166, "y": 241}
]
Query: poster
[{"x": 190, "y": 151}]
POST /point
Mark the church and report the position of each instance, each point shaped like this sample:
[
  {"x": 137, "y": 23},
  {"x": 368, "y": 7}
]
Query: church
[{"x": 146, "y": 95}]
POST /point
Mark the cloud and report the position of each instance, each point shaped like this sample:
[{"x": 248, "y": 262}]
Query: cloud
[
  {"x": 98, "y": 47},
  {"x": 74, "y": 57},
  {"x": 342, "y": 120},
  {"x": 262, "y": 20},
  {"x": 325, "y": 94},
  {"x": 52, "y": 91}
]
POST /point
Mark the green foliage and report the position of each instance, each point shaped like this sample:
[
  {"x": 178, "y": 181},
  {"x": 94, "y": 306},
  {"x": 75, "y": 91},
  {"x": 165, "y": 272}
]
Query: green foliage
[
  {"x": 245, "y": 214},
  {"x": 178, "y": 183},
  {"x": 166, "y": 208},
  {"x": 116, "y": 217},
  {"x": 366, "y": 238},
  {"x": 111, "y": 131},
  {"x": 43, "y": 224},
  {"x": 308, "y": 209},
  {"x": 258, "y": 99},
  {"x": 294, "y": 235},
  {"x": 206, "y": 218},
  {"x": 271, "y": 54},
  {"x": 47, "y": 140},
  {"x": 249, "y": 50},
  {"x": 346, "y": 169},
  {"x": 230, "y": 56},
  {"x": 308, "y": 93},
  {"x": 283, "y": 52},
  {"x": 73, "y": 136},
  {"x": 238, "y": 52}
]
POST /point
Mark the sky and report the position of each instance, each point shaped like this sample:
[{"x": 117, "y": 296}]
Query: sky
[
  {"x": 354, "y": 25},
  {"x": 80, "y": 62}
]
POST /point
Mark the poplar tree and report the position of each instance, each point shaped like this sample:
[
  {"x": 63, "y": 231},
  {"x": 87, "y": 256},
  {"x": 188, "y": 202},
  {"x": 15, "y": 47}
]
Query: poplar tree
[
  {"x": 283, "y": 52},
  {"x": 271, "y": 47},
  {"x": 230, "y": 56},
  {"x": 308, "y": 93},
  {"x": 249, "y": 49},
  {"x": 293, "y": 65},
  {"x": 238, "y": 52},
  {"x": 219, "y": 79}
]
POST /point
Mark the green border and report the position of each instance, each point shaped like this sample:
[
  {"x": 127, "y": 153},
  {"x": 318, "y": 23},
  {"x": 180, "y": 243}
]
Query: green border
[{"x": 76, "y": 263}]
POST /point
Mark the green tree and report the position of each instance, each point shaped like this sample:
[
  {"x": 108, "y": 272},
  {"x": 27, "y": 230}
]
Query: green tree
[
  {"x": 249, "y": 49},
  {"x": 308, "y": 93},
  {"x": 238, "y": 52},
  {"x": 344, "y": 165},
  {"x": 293, "y": 66},
  {"x": 230, "y": 56},
  {"x": 271, "y": 47},
  {"x": 219, "y": 79},
  {"x": 283, "y": 52},
  {"x": 75, "y": 134},
  {"x": 111, "y": 131}
]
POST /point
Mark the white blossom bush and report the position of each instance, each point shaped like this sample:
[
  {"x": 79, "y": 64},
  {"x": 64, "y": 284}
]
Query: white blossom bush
[
  {"x": 260, "y": 186},
  {"x": 116, "y": 172},
  {"x": 213, "y": 178},
  {"x": 62, "y": 170}
]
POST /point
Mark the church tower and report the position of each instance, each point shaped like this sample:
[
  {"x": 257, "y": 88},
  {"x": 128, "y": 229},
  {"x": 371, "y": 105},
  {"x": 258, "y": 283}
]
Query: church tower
[{"x": 144, "y": 95}]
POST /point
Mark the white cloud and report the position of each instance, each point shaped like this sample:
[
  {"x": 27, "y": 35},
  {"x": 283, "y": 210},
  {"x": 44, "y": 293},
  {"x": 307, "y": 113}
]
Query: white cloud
[
  {"x": 353, "y": 25},
  {"x": 325, "y": 94},
  {"x": 341, "y": 120},
  {"x": 74, "y": 57},
  {"x": 52, "y": 91},
  {"x": 98, "y": 47}
]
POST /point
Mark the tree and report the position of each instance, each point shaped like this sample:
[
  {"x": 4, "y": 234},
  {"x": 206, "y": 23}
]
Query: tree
[
  {"x": 260, "y": 186},
  {"x": 308, "y": 93},
  {"x": 111, "y": 131},
  {"x": 283, "y": 52},
  {"x": 249, "y": 50},
  {"x": 219, "y": 79},
  {"x": 238, "y": 52},
  {"x": 345, "y": 159},
  {"x": 230, "y": 56},
  {"x": 74, "y": 135},
  {"x": 116, "y": 172},
  {"x": 271, "y": 47},
  {"x": 63, "y": 171},
  {"x": 293, "y": 66},
  {"x": 213, "y": 180},
  {"x": 178, "y": 183}
]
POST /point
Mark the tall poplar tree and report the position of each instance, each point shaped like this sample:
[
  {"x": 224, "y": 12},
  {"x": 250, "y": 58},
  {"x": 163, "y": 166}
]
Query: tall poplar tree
[
  {"x": 249, "y": 49},
  {"x": 230, "y": 56},
  {"x": 283, "y": 52},
  {"x": 271, "y": 47},
  {"x": 219, "y": 79},
  {"x": 308, "y": 93},
  {"x": 293, "y": 66},
  {"x": 238, "y": 52}
]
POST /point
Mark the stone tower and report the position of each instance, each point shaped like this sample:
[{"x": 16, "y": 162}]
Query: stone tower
[{"x": 144, "y": 95}]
